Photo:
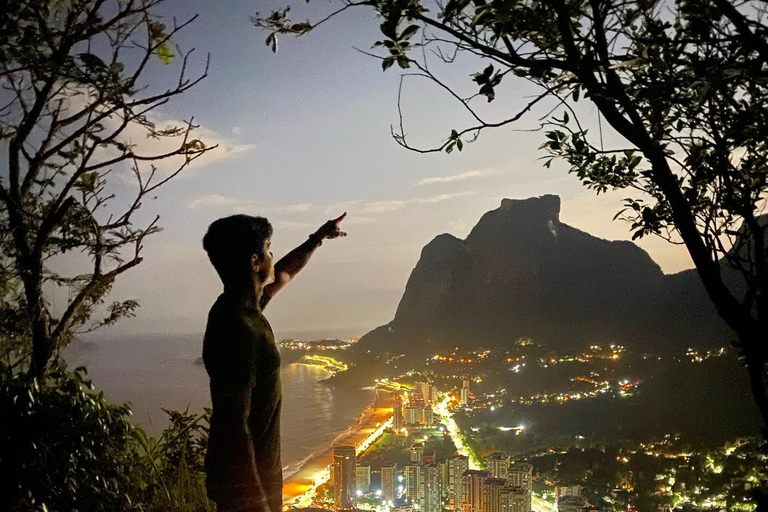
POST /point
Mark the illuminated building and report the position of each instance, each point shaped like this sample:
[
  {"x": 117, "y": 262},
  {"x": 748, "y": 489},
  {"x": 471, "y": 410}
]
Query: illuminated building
[
  {"x": 412, "y": 479},
  {"x": 429, "y": 488},
  {"x": 428, "y": 417},
  {"x": 498, "y": 465},
  {"x": 426, "y": 390},
  {"x": 492, "y": 494},
  {"x": 472, "y": 490},
  {"x": 412, "y": 415},
  {"x": 417, "y": 452},
  {"x": 515, "y": 499},
  {"x": 465, "y": 393},
  {"x": 571, "y": 504},
  {"x": 398, "y": 421},
  {"x": 344, "y": 477},
  {"x": 388, "y": 480},
  {"x": 456, "y": 467},
  {"x": 521, "y": 474},
  {"x": 434, "y": 396},
  {"x": 363, "y": 479},
  {"x": 443, "y": 468},
  {"x": 573, "y": 490}
]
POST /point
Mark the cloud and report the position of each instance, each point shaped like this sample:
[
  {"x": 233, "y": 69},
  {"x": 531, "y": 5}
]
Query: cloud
[
  {"x": 456, "y": 177},
  {"x": 359, "y": 207},
  {"x": 222, "y": 202},
  {"x": 213, "y": 201},
  {"x": 136, "y": 135}
]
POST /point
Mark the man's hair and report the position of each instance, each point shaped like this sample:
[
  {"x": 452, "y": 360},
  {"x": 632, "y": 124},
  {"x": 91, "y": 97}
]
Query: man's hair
[{"x": 231, "y": 241}]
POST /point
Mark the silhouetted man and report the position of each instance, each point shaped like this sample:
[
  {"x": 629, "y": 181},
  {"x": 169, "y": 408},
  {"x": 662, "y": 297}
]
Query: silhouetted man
[{"x": 243, "y": 467}]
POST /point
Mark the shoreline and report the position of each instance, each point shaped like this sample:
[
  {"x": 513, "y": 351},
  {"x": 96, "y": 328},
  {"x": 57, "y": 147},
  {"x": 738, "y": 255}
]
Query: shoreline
[{"x": 314, "y": 469}]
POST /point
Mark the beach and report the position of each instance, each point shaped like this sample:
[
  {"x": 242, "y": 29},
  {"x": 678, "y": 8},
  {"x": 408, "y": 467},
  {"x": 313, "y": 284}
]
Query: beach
[{"x": 299, "y": 486}]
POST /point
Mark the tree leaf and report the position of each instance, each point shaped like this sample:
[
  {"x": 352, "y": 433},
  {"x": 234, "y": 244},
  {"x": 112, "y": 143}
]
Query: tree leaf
[{"x": 409, "y": 31}]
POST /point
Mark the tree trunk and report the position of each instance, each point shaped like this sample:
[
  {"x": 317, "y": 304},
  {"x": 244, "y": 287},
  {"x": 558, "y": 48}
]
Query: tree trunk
[{"x": 42, "y": 350}]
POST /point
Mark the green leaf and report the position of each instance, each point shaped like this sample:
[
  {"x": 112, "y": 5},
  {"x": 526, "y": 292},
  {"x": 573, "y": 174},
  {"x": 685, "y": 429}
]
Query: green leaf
[
  {"x": 402, "y": 61},
  {"x": 387, "y": 63},
  {"x": 459, "y": 144},
  {"x": 449, "y": 147},
  {"x": 409, "y": 31},
  {"x": 566, "y": 118},
  {"x": 164, "y": 53}
]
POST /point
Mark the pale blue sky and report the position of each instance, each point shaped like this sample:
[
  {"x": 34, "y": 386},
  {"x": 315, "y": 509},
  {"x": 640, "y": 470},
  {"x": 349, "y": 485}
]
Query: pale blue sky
[{"x": 307, "y": 137}]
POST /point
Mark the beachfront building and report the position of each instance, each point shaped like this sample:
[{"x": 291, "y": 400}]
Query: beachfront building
[
  {"x": 498, "y": 465},
  {"x": 344, "y": 478},
  {"x": 363, "y": 480},
  {"x": 413, "y": 415},
  {"x": 388, "y": 481},
  {"x": 398, "y": 419},
  {"x": 412, "y": 479}
]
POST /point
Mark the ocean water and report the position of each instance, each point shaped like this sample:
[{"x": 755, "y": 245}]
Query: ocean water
[{"x": 152, "y": 373}]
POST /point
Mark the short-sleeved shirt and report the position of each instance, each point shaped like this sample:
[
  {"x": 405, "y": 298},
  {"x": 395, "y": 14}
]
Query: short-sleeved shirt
[{"x": 239, "y": 351}]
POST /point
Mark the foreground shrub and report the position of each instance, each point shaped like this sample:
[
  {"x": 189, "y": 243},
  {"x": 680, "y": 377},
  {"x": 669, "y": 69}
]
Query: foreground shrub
[{"x": 64, "y": 447}]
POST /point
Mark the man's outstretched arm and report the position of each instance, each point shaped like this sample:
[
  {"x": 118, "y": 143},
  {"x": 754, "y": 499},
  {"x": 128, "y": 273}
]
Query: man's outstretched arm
[{"x": 290, "y": 264}]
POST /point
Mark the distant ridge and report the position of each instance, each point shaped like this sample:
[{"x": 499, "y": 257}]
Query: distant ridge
[{"x": 522, "y": 273}]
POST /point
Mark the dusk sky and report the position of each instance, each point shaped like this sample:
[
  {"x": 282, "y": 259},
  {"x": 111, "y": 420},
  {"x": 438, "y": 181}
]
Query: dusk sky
[{"x": 305, "y": 135}]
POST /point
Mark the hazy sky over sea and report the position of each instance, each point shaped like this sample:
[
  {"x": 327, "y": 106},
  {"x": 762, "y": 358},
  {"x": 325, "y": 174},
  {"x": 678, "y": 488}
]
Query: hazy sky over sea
[{"x": 305, "y": 135}]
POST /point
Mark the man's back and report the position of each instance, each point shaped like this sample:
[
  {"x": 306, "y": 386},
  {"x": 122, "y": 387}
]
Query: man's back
[{"x": 241, "y": 358}]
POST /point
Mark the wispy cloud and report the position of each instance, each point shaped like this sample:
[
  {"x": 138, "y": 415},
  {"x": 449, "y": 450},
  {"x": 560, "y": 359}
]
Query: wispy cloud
[
  {"x": 229, "y": 203},
  {"x": 456, "y": 177},
  {"x": 214, "y": 201},
  {"x": 359, "y": 207}
]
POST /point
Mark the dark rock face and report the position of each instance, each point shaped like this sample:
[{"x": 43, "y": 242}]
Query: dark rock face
[{"x": 523, "y": 273}]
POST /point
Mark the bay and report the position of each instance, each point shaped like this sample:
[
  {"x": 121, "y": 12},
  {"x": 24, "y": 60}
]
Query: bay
[{"x": 156, "y": 372}]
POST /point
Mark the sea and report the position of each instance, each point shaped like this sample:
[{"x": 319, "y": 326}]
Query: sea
[{"x": 156, "y": 372}]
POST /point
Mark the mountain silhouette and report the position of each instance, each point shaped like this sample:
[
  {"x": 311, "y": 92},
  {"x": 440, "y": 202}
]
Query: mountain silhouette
[{"x": 521, "y": 273}]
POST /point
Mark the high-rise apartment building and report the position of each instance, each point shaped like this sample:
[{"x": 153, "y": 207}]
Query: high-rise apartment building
[
  {"x": 417, "y": 452},
  {"x": 344, "y": 477},
  {"x": 363, "y": 480},
  {"x": 465, "y": 393},
  {"x": 412, "y": 481},
  {"x": 521, "y": 474},
  {"x": 515, "y": 499},
  {"x": 443, "y": 469},
  {"x": 434, "y": 396},
  {"x": 492, "y": 494},
  {"x": 472, "y": 490},
  {"x": 497, "y": 464},
  {"x": 388, "y": 480},
  {"x": 429, "y": 488},
  {"x": 413, "y": 415},
  {"x": 456, "y": 467},
  {"x": 426, "y": 390},
  {"x": 398, "y": 420},
  {"x": 428, "y": 417}
]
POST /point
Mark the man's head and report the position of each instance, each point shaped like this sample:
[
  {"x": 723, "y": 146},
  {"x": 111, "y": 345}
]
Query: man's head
[{"x": 239, "y": 249}]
